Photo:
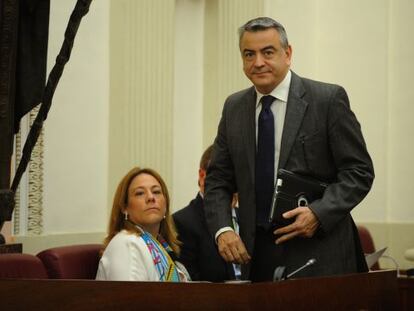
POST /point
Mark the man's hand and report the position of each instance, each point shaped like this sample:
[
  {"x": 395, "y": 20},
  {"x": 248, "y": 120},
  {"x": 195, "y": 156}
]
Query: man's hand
[
  {"x": 305, "y": 224},
  {"x": 232, "y": 248}
]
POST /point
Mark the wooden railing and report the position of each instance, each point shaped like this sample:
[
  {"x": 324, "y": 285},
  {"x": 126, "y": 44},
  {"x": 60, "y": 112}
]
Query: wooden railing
[{"x": 366, "y": 291}]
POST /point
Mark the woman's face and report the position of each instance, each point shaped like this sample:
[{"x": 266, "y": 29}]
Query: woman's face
[{"x": 146, "y": 202}]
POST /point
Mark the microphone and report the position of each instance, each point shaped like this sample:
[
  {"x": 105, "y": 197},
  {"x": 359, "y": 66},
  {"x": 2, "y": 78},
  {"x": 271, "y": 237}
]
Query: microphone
[
  {"x": 309, "y": 263},
  {"x": 280, "y": 271}
]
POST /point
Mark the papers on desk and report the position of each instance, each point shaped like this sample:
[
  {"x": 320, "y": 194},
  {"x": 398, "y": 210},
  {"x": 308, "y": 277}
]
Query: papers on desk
[
  {"x": 371, "y": 259},
  {"x": 237, "y": 281}
]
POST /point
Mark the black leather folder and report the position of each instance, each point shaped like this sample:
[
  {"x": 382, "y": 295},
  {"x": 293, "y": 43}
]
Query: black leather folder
[{"x": 293, "y": 190}]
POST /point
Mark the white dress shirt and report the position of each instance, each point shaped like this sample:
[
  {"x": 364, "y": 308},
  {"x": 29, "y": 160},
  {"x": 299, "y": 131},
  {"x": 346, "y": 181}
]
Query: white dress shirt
[{"x": 280, "y": 93}]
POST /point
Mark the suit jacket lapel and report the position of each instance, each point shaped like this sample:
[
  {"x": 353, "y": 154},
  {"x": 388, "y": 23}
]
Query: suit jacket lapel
[
  {"x": 295, "y": 111},
  {"x": 249, "y": 131}
]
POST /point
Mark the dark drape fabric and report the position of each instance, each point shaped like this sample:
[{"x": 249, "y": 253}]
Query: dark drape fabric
[
  {"x": 31, "y": 56},
  {"x": 24, "y": 28},
  {"x": 9, "y": 13}
]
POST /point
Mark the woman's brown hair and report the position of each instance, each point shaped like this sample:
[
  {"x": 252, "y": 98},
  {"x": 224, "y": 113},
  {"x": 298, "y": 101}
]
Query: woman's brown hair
[{"x": 117, "y": 221}]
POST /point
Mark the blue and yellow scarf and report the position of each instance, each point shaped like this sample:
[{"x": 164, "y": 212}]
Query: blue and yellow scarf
[{"x": 159, "y": 250}]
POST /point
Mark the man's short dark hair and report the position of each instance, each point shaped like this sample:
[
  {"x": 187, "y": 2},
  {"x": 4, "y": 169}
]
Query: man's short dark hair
[
  {"x": 263, "y": 23},
  {"x": 206, "y": 158}
]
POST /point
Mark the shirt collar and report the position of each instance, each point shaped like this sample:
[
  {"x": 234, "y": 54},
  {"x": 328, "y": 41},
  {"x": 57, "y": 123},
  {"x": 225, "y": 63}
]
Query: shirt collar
[{"x": 281, "y": 91}]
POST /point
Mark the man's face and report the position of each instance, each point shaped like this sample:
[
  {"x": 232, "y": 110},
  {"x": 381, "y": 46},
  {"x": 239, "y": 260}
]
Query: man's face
[{"x": 265, "y": 61}]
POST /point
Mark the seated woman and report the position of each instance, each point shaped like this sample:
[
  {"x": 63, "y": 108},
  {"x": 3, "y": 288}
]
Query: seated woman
[{"x": 142, "y": 240}]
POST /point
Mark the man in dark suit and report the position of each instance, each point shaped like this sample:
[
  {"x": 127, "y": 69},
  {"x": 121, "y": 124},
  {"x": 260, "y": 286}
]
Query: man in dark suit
[
  {"x": 313, "y": 133},
  {"x": 199, "y": 251}
]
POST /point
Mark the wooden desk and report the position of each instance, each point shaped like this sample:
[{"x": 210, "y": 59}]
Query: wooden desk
[
  {"x": 368, "y": 291},
  {"x": 406, "y": 292}
]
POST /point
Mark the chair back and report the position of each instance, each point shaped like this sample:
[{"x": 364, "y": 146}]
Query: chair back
[
  {"x": 71, "y": 262},
  {"x": 21, "y": 266},
  {"x": 367, "y": 243}
]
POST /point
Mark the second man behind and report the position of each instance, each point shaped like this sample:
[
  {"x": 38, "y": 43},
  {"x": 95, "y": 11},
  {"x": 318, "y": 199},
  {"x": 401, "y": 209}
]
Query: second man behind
[{"x": 199, "y": 251}]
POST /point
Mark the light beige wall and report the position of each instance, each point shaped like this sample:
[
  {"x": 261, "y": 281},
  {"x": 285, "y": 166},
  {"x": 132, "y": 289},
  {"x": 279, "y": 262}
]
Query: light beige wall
[
  {"x": 172, "y": 64},
  {"x": 188, "y": 100},
  {"x": 36, "y": 244},
  {"x": 76, "y": 130},
  {"x": 400, "y": 152},
  {"x": 398, "y": 237},
  {"x": 222, "y": 63},
  {"x": 362, "y": 46},
  {"x": 141, "y": 88}
]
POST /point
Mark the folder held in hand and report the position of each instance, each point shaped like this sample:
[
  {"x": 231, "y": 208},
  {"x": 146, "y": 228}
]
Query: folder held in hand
[{"x": 293, "y": 190}]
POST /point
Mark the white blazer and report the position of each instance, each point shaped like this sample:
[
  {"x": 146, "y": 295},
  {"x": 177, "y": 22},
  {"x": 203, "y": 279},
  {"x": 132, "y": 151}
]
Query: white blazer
[{"x": 127, "y": 258}]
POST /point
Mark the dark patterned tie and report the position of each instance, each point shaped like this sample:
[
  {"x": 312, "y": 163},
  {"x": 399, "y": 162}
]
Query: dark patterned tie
[{"x": 265, "y": 161}]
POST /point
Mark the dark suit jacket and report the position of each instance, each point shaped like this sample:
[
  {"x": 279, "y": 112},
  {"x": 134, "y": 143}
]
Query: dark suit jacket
[
  {"x": 199, "y": 251},
  {"x": 321, "y": 138}
]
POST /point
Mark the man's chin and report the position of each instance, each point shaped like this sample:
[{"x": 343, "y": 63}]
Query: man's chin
[{"x": 263, "y": 87}]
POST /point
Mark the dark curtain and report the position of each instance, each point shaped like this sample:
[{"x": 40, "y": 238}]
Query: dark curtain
[
  {"x": 24, "y": 29},
  {"x": 31, "y": 56}
]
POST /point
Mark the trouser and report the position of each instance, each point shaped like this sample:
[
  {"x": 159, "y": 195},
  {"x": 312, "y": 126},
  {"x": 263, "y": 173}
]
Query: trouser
[{"x": 266, "y": 256}]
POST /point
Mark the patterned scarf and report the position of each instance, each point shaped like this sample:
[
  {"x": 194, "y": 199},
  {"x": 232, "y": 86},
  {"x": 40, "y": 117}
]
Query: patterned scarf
[{"x": 163, "y": 263}]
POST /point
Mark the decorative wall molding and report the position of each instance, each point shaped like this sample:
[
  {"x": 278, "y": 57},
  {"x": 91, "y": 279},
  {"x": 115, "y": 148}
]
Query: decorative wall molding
[
  {"x": 28, "y": 212},
  {"x": 17, "y": 206},
  {"x": 35, "y": 170}
]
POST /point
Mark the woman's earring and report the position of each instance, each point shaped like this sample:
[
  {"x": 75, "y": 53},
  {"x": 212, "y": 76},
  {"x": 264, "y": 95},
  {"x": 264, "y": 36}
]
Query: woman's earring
[
  {"x": 126, "y": 215},
  {"x": 164, "y": 216}
]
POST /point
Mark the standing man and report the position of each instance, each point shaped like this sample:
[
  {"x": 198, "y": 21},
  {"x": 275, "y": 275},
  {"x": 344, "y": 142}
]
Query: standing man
[
  {"x": 301, "y": 125},
  {"x": 199, "y": 252}
]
